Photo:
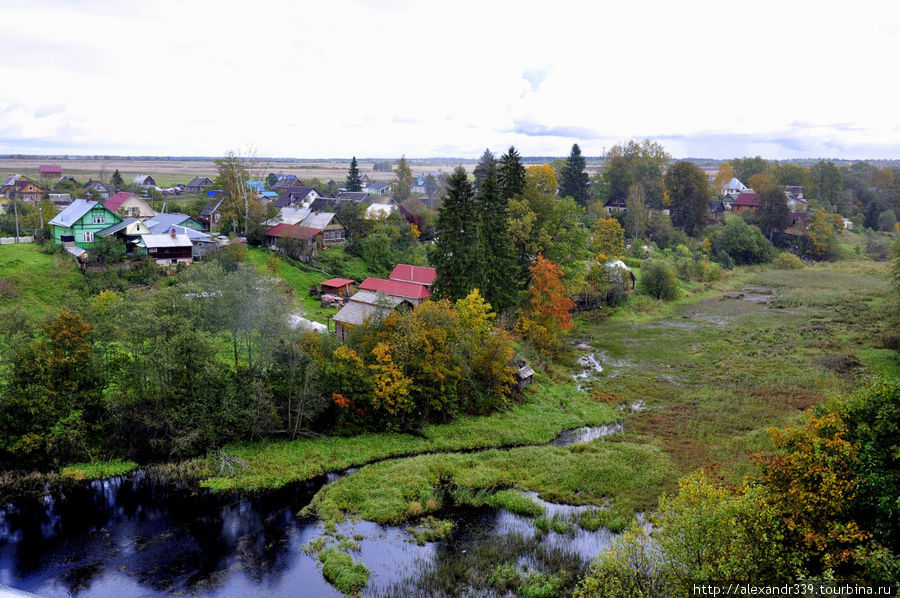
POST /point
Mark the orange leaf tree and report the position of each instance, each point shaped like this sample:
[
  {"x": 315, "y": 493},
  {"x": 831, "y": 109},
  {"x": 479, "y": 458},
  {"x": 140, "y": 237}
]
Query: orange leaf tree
[{"x": 547, "y": 316}]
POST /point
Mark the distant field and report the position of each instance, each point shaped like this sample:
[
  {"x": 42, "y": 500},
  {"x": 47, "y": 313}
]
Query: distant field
[{"x": 170, "y": 172}]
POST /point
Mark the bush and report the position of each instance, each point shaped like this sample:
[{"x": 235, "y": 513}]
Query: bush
[
  {"x": 741, "y": 244},
  {"x": 787, "y": 261},
  {"x": 658, "y": 280}
]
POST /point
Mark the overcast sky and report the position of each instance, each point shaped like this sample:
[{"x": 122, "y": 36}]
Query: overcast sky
[{"x": 335, "y": 78}]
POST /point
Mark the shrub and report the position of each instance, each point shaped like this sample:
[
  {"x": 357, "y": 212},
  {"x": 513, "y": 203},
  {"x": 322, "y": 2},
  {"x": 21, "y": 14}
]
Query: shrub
[
  {"x": 787, "y": 261},
  {"x": 658, "y": 280},
  {"x": 742, "y": 244}
]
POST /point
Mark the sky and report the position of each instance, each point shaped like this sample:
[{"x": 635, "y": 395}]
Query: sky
[{"x": 426, "y": 78}]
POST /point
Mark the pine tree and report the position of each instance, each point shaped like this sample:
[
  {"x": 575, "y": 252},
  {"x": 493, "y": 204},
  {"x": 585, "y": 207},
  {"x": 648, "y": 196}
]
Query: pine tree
[
  {"x": 499, "y": 268},
  {"x": 354, "y": 180},
  {"x": 511, "y": 174},
  {"x": 455, "y": 252},
  {"x": 486, "y": 162},
  {"x": 574, "y": 180}
]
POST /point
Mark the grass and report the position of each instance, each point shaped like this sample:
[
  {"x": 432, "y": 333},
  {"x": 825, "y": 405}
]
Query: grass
[
  {"x": 41, "y": 283},
  {"x": 430, "y": 529},
  {"x": 342, "y": 571},
  {"x": 548, "y": 409},
  {"x": 98, "y": 469},
  {"x": 300, "y": 278},
  {"x": 596, "y": 473}
]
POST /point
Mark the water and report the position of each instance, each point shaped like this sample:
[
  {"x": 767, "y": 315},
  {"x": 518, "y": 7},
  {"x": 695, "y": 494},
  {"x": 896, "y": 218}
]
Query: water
[
  {"x": 588, "y": 433},
  {"x": 591, "y": 368}
]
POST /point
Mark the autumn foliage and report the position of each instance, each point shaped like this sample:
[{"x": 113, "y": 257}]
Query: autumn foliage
[{"x": 547, "y": 316}]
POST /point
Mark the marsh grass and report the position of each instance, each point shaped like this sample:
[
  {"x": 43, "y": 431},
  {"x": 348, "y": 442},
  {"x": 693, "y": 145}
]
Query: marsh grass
[
  {"x": 342, "y": 571},
  {"x": 96, "y": 470}
]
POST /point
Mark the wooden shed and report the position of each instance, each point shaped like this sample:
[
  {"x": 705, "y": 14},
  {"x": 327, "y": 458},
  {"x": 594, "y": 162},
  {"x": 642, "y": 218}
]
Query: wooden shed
[{"x": 342, "y": 287}]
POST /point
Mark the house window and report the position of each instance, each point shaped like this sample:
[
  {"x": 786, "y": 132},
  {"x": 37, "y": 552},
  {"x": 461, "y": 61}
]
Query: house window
[
  {"x": 87, "y": 237},
  {"x": 99, "y": 219}
]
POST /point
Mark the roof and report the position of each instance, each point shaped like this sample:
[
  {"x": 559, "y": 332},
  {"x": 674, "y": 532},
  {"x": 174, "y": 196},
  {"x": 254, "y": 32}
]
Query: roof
[
  {"x": 173, "y": 218},
  {"x": 380, "y": 210},
  {"x": 139, "y": 179},
  {"x": 109, "y": 230},
  {"x": 620, "y": 265},
  {"x": 734, "y": 183},
  {"x": 113, "y": 203},
  {"x": 200, "y": 181},
  {"x": 292, "y": 195},
  {"x": 212, "y": 206},
  {"x": 100, "y": 185},
  {"x": 72, "y": 214},
  {"x": 417, "y": 274},
  {"x": 291, "y": 215},
  {"x": 395, "y": 288},
  {"x": 167, "y": 240},
  {"x": 50, "y": 168},
  {"x": 354, "y": 196},
  {"x": 747, "y": 198},
  {"x": 319, "y": 221},
  {"x": 292, "y": 231},
  {"x": 162, "y": 228},
  {"x": 11, "y": 180},
  {"x": 376, "y": 186},
  {"x": 366, "y": 305},
  {"x": 337, "y": 282}
]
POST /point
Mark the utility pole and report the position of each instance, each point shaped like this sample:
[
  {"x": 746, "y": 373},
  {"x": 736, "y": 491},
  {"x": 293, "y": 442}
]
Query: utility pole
[{"x": 16, "y": 208}]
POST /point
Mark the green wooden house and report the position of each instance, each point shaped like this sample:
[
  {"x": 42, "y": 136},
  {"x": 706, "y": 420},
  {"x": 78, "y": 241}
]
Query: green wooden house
[{"x": 79, "y": 222}]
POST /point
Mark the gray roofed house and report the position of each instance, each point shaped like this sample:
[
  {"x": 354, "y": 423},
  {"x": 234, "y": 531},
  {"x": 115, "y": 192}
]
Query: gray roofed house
[
  {"x": 100, "y": 189},
  {"x": 378, "y": 188},
  {"x": 175, "y": 218},
  {"x": 203, "y": 244},
  {"x": 73, "y": 213},
  {"x": 198, "y": 184},
  {"x": 144, "y": 180},
  {"x": 210, "y": 214},
  {"x": 354, "y": 196},
  {"x": 61, "y": 200},
  {"x": 365, "y": 306},
  {"x": 296, "y": 196}
]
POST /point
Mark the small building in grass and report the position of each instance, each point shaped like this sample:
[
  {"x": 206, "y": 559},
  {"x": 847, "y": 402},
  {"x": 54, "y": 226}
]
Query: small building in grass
[
  {"x": 342, "y": 287},
  {"x": 80, "y": 222},
  {"x": 366, "y": 307}
]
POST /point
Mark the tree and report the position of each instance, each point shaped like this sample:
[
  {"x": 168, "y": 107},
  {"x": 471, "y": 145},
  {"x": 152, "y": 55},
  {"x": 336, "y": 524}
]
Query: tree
[
  {"x": 887, "y": 220},
  {"x": 609, "y": 239},
  {"x": 740, "y": 243},
  {"x": 762, "y": 182},
  {"x": 826, "y": 183},
  {"x": 401, "y": 186},
  {"x": 773, "y": 212},
  {"x": 658, "y": 279},
  {"x": 117, "y": 181},
  {"x": 574, "y": 180},
  {"x": 637, "y": 216},
  {"x": 723, "y": 177},
  {"x": 354, "y": 180},
  {"x": 511, "y": 174},
  {"x": 688, "y": 195},
  {"x": 455, "y": 252},
  {"x": 821, "y": 243},
  {"x": 543, "y": 177},
  {"x": 271, "y": 180},
  {"x": 642, "y": 163},
  {"x": 744, "y": 168},
  {"x": 241, "y": 207},
  {"x": 486, "y": 162},
  {"x": 498, "y": 273},
  {"x": 547, "y": 315}
]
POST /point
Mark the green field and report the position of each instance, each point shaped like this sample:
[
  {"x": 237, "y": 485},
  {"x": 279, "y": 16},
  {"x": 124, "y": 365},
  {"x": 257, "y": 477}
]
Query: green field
[
  {"x": 301, "y": 278},
  {"x": 40, "y": 283}
]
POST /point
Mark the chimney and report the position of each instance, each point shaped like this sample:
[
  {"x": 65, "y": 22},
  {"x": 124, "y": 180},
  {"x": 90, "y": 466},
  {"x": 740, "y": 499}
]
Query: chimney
[{"x": 173, "y": 233}]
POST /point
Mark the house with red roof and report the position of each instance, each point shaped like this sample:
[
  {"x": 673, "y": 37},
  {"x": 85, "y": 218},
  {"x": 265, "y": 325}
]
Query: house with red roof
[
  {"x": 129, "y": 205},
  {"x": 298, "y": 242},
  {"x": 747, "y": 200},
  {"x": 413, "y": 292},
  {"x": 416, "y": 274},
  {"x": 50, "y": 171},
  {"x": 342, "y": 287}
]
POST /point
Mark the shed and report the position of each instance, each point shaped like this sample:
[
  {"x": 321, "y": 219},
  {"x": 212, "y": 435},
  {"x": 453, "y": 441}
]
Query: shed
[
  {"x": 342, "y": 287},
  {"x": 618, "y": 272},
  {"x": 50, "y": 171}
]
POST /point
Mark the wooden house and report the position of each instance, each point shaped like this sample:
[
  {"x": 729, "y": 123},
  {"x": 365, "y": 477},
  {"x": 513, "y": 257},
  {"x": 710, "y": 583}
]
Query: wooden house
[
  {"x": 79, "y": 222},
  {"x": 144, "y": 180},
  {"x": 366, "y": 307},
  {"x": 297, "y": 197},
  {"x": 17, "y": 186},
  {"x": 129, "y": 205},
  {"x": 342, "y": 287},
  {"x": 412, "y": 292},
  {"x": 168, "y": 249},
  {"x": 176, "y": 219},
  {"x": 99, "y": 189},
  {"x": 210, "y": 215},
  {"x": 414, "y": 274},
  {"x": 129, "y": 230},
  {"x": 198, "y": 184},
  {"x": 50, "y": 171},
  {"x": 746, "y": 201}
]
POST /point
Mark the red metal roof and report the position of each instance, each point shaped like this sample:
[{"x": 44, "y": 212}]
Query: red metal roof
[
  {"x": 49, "y": 169},
  {"x": 112, "y": 204},
  {"x": 395, "y": 288},
  {"x": 417, "y": 274},
  {"x": 292, "y": 231},
  {"x": 336, "y": 283},
  {"x": 747, "y": 199}
]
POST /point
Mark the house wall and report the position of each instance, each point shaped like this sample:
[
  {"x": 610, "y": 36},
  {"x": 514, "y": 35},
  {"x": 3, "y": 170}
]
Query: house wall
[
  {"x": 87, "y": 225},
  {"x": 136, "y": 207}
]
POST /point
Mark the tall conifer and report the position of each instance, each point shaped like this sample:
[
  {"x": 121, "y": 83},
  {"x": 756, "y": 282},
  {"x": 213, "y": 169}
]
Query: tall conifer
[
  {"x": 499, "y": 270},
  {"x": 574, "y": 180},
  {"x": 511, "y": 174},
  {"x": 354, "y": 180},
  {"x": 455, "y": 253}
]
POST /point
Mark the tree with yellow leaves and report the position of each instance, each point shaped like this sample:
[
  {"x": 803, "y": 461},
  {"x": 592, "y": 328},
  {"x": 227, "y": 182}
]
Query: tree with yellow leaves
[
  {"x": 391, "y": 397},
  {"x": 608, "y": 239},
  {"x": 542, "y": 177}
]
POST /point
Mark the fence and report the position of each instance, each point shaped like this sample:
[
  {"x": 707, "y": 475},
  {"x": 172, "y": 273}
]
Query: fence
[{"x": 13, "y": 240}]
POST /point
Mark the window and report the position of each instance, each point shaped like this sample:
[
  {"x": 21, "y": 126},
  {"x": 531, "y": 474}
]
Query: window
[
  {"x": 99, "y": 220},
  {"x": 87, "y": 237}
]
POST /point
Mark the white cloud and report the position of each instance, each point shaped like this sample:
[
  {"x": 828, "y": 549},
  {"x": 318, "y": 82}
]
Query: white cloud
[{"x": 331, "y": 79}]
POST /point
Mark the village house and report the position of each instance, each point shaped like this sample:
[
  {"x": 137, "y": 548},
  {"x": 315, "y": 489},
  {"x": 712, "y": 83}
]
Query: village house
[
  {"x": 734, "y": 187},
  {"x": 79, "y": 222},
  {"x": 365, "y": 307},
  {"x": 17, "y": 186},
  {"x": 129, "y": 231},
  {"x": 129, "y": 205},
  {"x": 99, "y": 189},
  {"x": 60, "y": 200},
  {"x": 210, "y": 214},
  {"x": 341, "y": 287},
  {"x": 203, "y": 245},
  {"x": 414, "y": 274},
  {"x": 176, "y": 219},
  {"x": 295, "y": 241},
  {"x": 168, "y": 249},
  {"x": 377, "y": 188},
  {"x": 198, "y": 184},
  {"x": 333, "y": 230},
  {"x": 143, "y": 180},
  {"x": 285, "y": 182},
  {"x": 50, "y": 171},
  {"x": 297, "y": 197},
  {"x": 746, "y": 201},
  {"x": 409, "y": 291},
  {"x": 614, "y": 205}
]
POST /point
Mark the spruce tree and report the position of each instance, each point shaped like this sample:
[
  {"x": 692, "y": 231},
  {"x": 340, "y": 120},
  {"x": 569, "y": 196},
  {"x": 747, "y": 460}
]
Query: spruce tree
[
  {"x": 511, "y": 174},
  {"x": 574, "y": 180},
  {"x": 486, "y": 162},
  {"x": 499, "y": 269},
  {"x": 117, "y": 181},
  {"x": 455, "y": 252},
  {"x": 354, "y": 180}
]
